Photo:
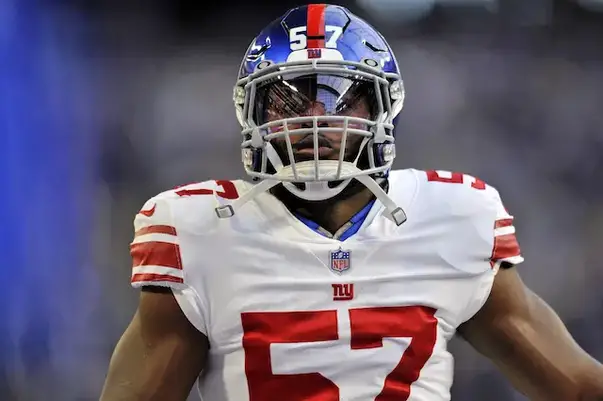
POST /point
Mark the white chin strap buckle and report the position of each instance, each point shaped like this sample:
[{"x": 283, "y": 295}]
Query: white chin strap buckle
[
  {"x": 229, "y": 210},
  {"x": 392, "y": 212},
  {"x": 398, "y": 216},
  {"x": 225, "y": 211}
]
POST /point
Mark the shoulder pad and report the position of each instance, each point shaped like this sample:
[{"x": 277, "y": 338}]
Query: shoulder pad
[
  {"x": 458, "y": 193},
  {"x": 155, "y": 249},
  {"x": 462, "y": 195}
]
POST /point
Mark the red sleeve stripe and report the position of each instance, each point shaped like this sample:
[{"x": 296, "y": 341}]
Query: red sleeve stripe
[
  {"x": 503, "y": 223},
  {"x": 152, "y": 278},
  {"x": 159, "y": 229},
  {"x": 505, "y": 246},
  {"x": 156, "y": 253}
]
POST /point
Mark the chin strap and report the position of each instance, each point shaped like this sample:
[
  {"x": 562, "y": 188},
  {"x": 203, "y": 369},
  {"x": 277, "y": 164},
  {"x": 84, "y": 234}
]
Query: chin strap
[
  {"x": 229, "y": 209},
  {"x": 392, "y": 211}
]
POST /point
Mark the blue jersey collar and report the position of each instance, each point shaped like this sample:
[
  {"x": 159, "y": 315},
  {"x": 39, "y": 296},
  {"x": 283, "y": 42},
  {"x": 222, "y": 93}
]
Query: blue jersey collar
[{"x": 347, "y": 230}]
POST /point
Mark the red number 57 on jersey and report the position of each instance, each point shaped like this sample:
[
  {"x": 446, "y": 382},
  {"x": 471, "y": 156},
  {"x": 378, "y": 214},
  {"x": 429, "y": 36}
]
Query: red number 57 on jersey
[{"x": 368, "y": 328}]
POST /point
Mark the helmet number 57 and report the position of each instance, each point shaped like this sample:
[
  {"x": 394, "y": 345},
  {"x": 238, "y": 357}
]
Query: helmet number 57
[{"x": 298, "y": 38}]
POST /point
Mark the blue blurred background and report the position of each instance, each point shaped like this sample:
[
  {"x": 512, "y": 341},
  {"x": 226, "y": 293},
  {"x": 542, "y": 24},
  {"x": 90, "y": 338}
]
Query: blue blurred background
[{"x": 104, "y": 103}]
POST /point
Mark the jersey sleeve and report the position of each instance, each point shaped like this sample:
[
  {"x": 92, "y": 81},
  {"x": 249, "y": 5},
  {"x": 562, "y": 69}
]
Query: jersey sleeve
[
  {"x": 157, "y": 259},
  {"x": 505, "y": 248},
  {"x": 494, "y": 221}
]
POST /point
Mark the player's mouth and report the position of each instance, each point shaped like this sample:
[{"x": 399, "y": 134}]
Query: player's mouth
[
  {"x": 305, "y": 147},
  {"x": 323, "y": 151}
]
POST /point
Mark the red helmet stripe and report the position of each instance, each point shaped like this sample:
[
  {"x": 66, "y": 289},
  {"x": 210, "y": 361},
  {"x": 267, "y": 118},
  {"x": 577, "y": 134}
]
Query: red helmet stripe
[{"x": 316, "y": 26}]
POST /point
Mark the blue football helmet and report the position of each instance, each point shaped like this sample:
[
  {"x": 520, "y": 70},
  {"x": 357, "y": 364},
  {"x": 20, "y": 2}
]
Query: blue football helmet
[{"x": 317, "y": 94}]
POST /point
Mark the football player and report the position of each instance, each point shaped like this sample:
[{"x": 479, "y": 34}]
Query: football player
[{"x": 331, "y": 277}]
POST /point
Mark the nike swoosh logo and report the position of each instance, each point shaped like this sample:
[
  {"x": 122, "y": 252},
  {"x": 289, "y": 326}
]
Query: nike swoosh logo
[{"x": 148, "y": 212}]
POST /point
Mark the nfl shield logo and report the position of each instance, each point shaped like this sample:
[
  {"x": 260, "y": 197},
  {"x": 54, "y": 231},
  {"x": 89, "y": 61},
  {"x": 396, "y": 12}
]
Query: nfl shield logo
[{"x": 339, "y": 260}]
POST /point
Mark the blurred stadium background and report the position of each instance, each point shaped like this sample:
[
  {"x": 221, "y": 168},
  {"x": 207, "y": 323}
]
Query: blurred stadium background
[{"x": 104, "y": 103}]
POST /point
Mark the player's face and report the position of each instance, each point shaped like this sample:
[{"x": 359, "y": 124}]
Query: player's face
[{"x": 318, "y": 95}]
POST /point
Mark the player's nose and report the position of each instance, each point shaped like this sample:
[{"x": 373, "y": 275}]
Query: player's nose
[{"x": 317, "y": 109}]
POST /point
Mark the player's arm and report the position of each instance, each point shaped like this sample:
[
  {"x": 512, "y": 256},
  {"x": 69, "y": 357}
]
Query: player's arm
[
  {"x": 526, "y": 339},
  {"x": 520, "y": 333},
  {"x": 159, "y": 356},
  {"x": 164, "y": 348}
]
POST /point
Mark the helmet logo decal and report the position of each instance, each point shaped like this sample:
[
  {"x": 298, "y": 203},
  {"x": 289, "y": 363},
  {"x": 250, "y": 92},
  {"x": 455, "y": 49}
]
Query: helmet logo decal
[{"x": 314, "y": 53}]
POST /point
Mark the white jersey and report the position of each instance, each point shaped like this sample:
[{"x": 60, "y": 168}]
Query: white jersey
[{"x": 292, "y": 314}]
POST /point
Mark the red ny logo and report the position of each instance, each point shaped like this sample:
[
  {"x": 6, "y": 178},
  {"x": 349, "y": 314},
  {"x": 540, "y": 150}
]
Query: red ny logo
[{"x": 343, "y": 292}]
